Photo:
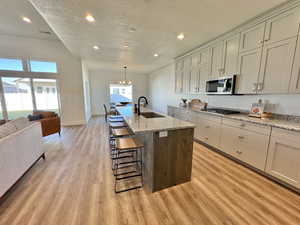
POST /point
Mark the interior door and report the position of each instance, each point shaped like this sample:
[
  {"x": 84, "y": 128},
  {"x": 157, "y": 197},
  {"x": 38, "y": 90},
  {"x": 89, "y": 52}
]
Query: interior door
[
  {"x": 252, "y": 38},
  {"x": 217, "y": 52},
  {"x": 277, "y": 63},
  {"x": 249, "y": 68},
  {"x": 231, "y": 53}
]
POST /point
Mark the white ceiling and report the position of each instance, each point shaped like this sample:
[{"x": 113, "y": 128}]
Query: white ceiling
[
  {"x": 157, "y": 23},
  {"x": 11, "y": 23}
]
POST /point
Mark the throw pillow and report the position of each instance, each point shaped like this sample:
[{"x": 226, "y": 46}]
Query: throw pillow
[{"x": 35, "y": 117}]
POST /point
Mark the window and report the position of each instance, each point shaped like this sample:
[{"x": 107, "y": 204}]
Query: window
[
  {"x": 120, "y": 93},
  {"x": 46, "y": 100},
  {"x": 17, "y": 95},
  {"x": 11, "y": 64},
  {"x": 43, "y": 67}
]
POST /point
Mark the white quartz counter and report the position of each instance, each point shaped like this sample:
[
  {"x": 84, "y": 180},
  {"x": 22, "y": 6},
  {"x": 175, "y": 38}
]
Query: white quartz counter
[
  {"x": 140, "y": 124},
  {"x": 278, "y": 123}
]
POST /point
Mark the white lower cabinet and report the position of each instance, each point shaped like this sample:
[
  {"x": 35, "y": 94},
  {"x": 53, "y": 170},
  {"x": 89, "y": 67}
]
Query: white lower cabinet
[
  {"x": 246, "y": 145},
  {"x": 274, "y": 151},
  {"x": 284, "y": 156}
]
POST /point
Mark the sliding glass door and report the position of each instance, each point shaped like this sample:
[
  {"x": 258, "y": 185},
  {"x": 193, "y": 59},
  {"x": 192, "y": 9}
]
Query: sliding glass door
[
  {"x": 45, "y": 92},
  {"x": 18, "y": 97}
]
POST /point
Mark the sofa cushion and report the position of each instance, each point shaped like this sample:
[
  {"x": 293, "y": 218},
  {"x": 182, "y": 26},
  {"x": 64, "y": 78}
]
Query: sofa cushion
[
  {"x": 35, "y": 117},
  {"x": 7, "y": 129},
  {"x": 21, "y": 123}
]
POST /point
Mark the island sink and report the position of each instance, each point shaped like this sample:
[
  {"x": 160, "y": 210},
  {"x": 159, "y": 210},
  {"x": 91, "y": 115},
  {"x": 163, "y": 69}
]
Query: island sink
[{"x": 151, "y": 115}]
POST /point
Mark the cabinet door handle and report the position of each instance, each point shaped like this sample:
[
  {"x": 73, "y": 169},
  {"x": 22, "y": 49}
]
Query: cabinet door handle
[
  {"x": 207, "y": 127},
  {"x": 243, "y": 125},
  {"x": 260, "y": 42},
  {"x": 260, "y": 86},
  {"x": 268, "y": 39},
  {"x": 239, "y": 152}
]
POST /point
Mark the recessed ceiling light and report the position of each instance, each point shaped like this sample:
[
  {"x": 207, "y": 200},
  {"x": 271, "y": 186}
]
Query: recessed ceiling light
[
  {"x": 180, "y": 36},
  {"x": 96, "y": 47},
  {"x": 90, "y": 18},
  {"x": 26, "y": 19},
  {"x": 155, "y": 55}
]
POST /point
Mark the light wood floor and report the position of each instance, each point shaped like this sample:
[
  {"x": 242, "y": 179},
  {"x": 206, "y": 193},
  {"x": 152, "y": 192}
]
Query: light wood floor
[{"x": 74, "y": 186}]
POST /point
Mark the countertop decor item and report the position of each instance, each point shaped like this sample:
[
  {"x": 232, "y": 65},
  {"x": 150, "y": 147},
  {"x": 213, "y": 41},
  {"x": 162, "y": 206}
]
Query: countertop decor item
[
  {"x": 257, "y": 109},
  {"x": 183, "y": 102},
  {"x": 198, "y": 104}
]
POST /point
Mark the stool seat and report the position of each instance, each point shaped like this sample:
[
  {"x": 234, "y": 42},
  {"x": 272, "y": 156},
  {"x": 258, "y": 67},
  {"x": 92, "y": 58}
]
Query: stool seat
[
  {"x": 118, "y": 132},
  {"x": 128, "y": 143},
  {"x": 117, "y": 124},
  {"x": 114, "y": 120}
]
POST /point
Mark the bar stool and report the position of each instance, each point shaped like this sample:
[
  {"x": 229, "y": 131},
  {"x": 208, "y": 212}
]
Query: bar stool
[
  {"x": 117, "y": 133},
  {"x": 128, "y": 145}
]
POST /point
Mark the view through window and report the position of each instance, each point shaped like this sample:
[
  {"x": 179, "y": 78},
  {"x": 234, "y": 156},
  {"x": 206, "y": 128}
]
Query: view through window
[
  {"x": 18, "y": 98},
  {"x": 120, "y": 93},
  {"x": 45, "y": 91}
]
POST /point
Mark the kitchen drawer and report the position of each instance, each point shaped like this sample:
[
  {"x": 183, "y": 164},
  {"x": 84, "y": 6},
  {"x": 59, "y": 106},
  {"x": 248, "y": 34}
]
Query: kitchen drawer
[
  {"x": 266, "y": 130},
  {"x": 286, "y": 134}
]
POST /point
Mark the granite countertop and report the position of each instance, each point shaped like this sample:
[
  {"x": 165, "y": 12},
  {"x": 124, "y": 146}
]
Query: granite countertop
[
  {"x": 140, "y": 124},
  {"x": 278, "y": 123}
]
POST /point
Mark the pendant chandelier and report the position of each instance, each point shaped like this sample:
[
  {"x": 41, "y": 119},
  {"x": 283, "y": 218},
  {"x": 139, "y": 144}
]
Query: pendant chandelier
[{"x": 125, "y": 81}]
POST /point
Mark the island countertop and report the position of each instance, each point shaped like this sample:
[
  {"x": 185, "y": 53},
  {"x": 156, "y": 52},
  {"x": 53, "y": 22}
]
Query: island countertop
[{"x": 140, "y": 124}]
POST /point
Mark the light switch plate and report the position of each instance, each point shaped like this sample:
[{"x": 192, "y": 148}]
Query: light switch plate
[{"x": 163, "y": 134}]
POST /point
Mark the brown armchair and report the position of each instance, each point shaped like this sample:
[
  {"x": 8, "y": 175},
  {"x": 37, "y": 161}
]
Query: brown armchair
[{"x": 50, "y": 122}]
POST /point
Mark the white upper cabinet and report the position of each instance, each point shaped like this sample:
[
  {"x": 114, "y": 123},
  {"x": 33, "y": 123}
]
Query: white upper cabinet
[
  {"x": 187, "y": 69},
  {"x": 295, "y": 80},
  {"x": 283, "y": 26},
  {"x": 252, "y": 38},
  {"x": 195, "y": 75},
  {"x": 247, "y": 79},
  {"x": 276, "y": 67},
  {"x": 217, "y": 52},
  {"x": 231, "y": 53},
  {"x": 204, "y": 69},
  {"x": 179, "y": 76}
]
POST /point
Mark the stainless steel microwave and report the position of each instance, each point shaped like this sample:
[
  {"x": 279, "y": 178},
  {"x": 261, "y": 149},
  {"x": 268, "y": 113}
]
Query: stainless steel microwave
[{"x": 221, "y": 86}]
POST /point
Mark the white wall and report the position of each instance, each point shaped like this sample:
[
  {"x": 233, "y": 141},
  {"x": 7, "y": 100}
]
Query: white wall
[
  {"x": 70, "y": 78},
  {"x": 162, "y": 86},
  {"x": 100, "y": 80},
  {"x": 86, "y": 91}
]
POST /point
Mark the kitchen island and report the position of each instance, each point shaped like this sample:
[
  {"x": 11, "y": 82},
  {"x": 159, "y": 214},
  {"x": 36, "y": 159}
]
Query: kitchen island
[{"x": 168, "y": 147}]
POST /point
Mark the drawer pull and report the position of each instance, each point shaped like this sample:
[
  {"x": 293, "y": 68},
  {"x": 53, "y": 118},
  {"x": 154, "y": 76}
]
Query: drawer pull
[
  {"x": 241, "y": 137},
  {"x": 239, "y": 152},
  {"x": 243, "y": 125},
  {"x": 207, "y": 127}
]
